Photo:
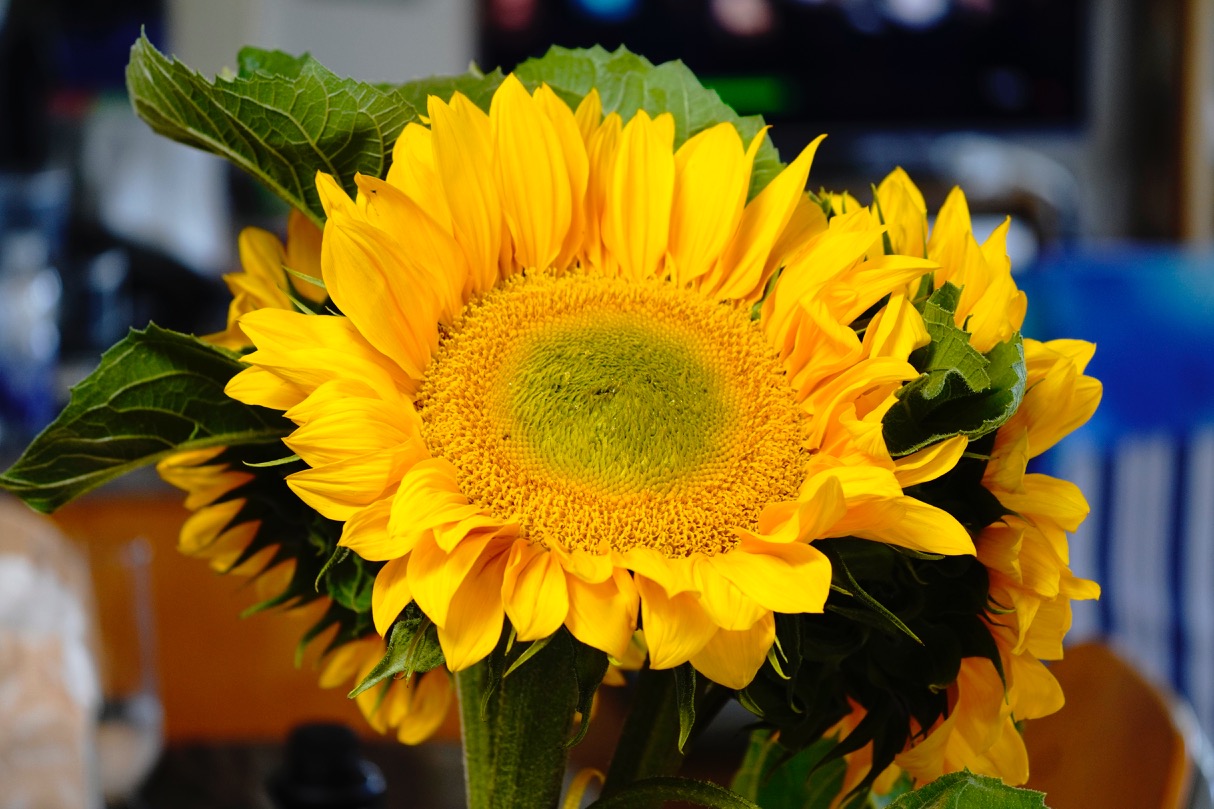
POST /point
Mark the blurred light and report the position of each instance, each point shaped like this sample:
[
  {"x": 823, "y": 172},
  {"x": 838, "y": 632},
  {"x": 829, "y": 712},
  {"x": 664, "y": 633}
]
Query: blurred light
[
  {"x": 743, "y": 18},
  {"x": 512, "y": 15},
  {"x": 608, "y": 10},
  {"x": 916, "y": 13}
]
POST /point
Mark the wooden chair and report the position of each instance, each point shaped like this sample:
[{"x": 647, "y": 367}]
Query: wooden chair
[{"x": 1117, "y": 744}]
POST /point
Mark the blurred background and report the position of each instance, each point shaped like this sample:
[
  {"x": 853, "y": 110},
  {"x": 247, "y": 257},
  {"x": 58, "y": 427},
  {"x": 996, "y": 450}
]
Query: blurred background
[{"x": 1090, "y": 122}]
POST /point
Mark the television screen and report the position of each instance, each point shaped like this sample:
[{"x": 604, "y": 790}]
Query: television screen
[{"x": 930, "y": 65}]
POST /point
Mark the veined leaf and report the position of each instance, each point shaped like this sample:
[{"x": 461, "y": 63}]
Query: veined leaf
[
  {"x": 966, "y": 790},
  {"x": 282, "y": 118},
  {"x": 960, "y": 391},
  {"x": 154, "y": 393},
  {"x": 477, "y": 86},
  {"x": 627, "y": 82}
]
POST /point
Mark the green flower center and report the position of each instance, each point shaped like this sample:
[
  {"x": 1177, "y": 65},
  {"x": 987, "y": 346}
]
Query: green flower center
[{"x": 602, "y": 413}]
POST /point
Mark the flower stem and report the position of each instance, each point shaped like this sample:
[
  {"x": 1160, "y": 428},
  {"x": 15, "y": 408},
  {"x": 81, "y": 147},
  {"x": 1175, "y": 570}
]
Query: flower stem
[
  {"x": 649, "y": 742},
  {"x": 514, "y": 747}
]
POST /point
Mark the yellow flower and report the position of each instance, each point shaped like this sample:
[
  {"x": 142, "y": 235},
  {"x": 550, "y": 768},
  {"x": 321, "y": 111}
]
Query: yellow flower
[
  {"x": 546, "y": 398},
  {"x": 1025, "y": 553}
]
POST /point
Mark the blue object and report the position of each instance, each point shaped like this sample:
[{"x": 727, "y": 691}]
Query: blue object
[{"x": 1146, "y": 459}]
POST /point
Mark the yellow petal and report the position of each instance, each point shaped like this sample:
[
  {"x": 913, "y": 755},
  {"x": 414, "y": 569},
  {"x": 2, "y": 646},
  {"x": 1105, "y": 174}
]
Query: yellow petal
[
  {"x": 787, "y": 577},
  {"x": 361, "y": 427},
  {"x": 636, "y": 217},
  {"x": 390, "y": 594},
  {"x": 435, "y": 576},
  {"x": 375, "y": 285},
  {"x": 534, "y": 591},
  {"x": 733, "y": 658},
  {"x": 589, "y": 114},
  {"x": 429, "y": 701},
  {"x": 203, "y": 526},
  {"x": 740, "y": 269},
  {"x": 603, "y": 615},
  {"x": 601, "y": 152},
  {"x": 463, "y": 150},
  {"x": 474, "y": 621},
  {"x": 532, "y": 176},
  {"x": 904, "y": 213},
  {"x": 433, "y": 260},
  {"x": 929, "y": 463},
  {"x": 896, "y": 330},
  {"x": 573, "y": 147},
  {"x": 257, "y": 386},
  {"x": 338, "y": 490},
  {"x": 303, "y": 255},
  {"x": 906, "y": 522},
  {"x": 414, "y": 172},
  {"x": 366, "y": 533},
  {"x": 309, "y": 350},
  {"x": 676, "y": 627},
  {"x": 729, "y": 607},
  {"x": 1059, "y": 501},
  {"x": 711, "y": 178}
]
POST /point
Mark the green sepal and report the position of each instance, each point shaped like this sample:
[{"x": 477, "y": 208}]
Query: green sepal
[
  {"x": 349, "y": 580},
  {"x": 959, "y": 391},
  {"x": 651, "y": 792},
  {"x": 685, "y": 697},
  {"x": 339, "y": 555},
  {"x": 281, "y": 118},
  {"x": 412, "y": 649},
  {"x": 528, "y": 652},
  {"x": 967, "y": 790},
  {"x": 777, "y": 778},
  {"x": 154, "y": 393},
  {"x": 589, "y": 668},
  {"x": 627, "y": 82}
]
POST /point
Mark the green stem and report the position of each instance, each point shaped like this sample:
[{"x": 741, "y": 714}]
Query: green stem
[
  {"x": 649, "y": 742},
  {"x": 514, "y": 749}
]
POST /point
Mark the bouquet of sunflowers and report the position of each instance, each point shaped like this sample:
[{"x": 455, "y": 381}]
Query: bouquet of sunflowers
[{"x": 564, "y": 369}]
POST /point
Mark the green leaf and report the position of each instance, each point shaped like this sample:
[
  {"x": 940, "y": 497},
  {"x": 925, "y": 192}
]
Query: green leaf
[
  {"x": 774, "y": 778},
  {"x": 412, "y": 649},
  {"x": 627, "y": 82},
  {"x": 477, "y": 86},
  {"x": 965, "y": 790},
  {"x": 156, "y": 392},
  {"x": 960, "y": 391},
  {"x": 650, "y": 791},
  {"x": 281, "y": 118}
]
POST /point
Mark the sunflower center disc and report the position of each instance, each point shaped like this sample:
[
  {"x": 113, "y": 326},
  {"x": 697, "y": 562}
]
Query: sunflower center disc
[{"x": 603, "y": 413}]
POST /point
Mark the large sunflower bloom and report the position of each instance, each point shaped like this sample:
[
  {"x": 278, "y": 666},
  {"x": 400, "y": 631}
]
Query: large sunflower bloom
[{"x": 546, "y": 399}]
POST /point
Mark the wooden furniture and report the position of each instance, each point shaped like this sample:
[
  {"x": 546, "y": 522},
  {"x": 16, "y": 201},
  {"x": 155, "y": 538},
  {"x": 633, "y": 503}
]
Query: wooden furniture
[
  {"x": 222, "y": 677},
  {"x": 1115, "y": 745}
]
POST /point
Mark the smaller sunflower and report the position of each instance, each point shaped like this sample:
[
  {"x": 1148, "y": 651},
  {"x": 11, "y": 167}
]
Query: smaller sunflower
[{"x": 227, "y": 530}]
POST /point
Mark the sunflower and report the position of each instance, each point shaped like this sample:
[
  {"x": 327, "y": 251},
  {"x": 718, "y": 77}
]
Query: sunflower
[
  {"x": 222, "y": 527},
  {"x": 546, "y": 398},
  {"x": 1024, "y": 552}
]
